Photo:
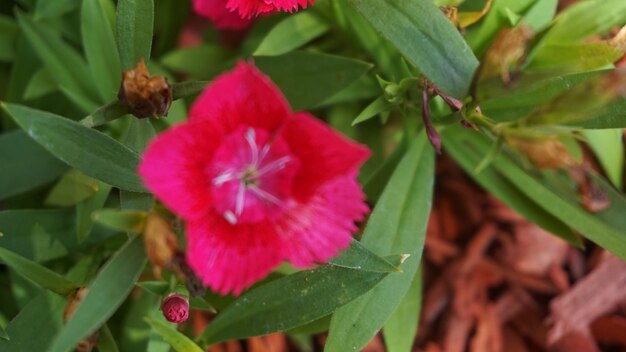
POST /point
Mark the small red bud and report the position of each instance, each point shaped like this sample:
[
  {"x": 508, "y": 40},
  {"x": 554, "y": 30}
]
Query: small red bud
[{"x": 175, "y": 308}]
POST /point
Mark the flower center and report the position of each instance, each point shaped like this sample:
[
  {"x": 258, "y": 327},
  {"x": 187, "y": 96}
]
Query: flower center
[{"x": 251, "y": 176}]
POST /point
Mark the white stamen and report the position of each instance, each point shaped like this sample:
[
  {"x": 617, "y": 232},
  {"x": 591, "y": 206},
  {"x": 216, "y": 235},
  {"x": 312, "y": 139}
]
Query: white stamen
[
  {"x": 230, "y": 217},
  {"x": 251, "y": 138},
  {"x": 241, "y": 198},
  {"x": 274, "y": 166},
  {"x": 224, "y": 177},
  {"x": 265, "y": 195}
]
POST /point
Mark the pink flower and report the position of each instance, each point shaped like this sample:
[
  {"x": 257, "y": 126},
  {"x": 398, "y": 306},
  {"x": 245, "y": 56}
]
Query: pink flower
[
  {"x": 175, "y": 308},
  {"x": 256, "y": 183},
  {"x": 222, "y": 18},
  {"x": 236, "y": 14}
]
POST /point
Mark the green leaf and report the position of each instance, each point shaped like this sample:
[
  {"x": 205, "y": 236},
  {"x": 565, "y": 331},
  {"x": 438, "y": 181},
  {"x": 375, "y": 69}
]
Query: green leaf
[
  {"x": 584, "y": 19},
  {"x": 65, "y": 65},
  {"x": 200, "y": 62},
  {"x": 401, "y": 328},
  {"x": 424, "y": 35},
  {"x": 608, "y": 146},
  {"x": 100, "y": 47},
  {"x": 124, "y": 220},
  {"x": 106, "y": 293},
  {"x": 37, "y": 273},
  {"x": 41, "y": 84},
  {"x": 185, "y": 89},
  {"x": 504, "y": 190},
  {"x": 135, "y": 24},
  {"x": 177, "y": 340},
  {"x": 376, "y": 107},
  {"x": 397, "y": 225},
  {"x": 90, "y": 151},
  {"x": 290, "y": 301},
  {"x": 291, "y": 33},
  {"x": 605, "y": 228},
  {"x": 3, "y": 333},
  {"x": 509, "y": 105},
  {"x": 8, "y": 38},
  {"x": 25, "y": 164},
  {"x": 139, "y": 133},
  {"x": 575, "y": 57},
  {"x": 540, "y": 14},
  {"x": 73, "y": 188},
  {"x": 199, "y": 303},
  {"x": 105, "y": 113},
  {"x": 612, "y": 115},
  {"x": 35, "y": 325},
  {"x": 55, "y": 8},
  {"x": 155, "y": 287},
  {"x": 106, "y": 341},
  {"x": 360, "y": 258},
  {"x": 86, "y": 208},
  {"x": 307, "y": 78}
]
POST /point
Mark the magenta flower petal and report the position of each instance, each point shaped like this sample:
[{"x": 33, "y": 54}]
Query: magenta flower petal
[
  {"x": 230, "y": 258},
  {"x": 252, "y": 8},
  {"x": 323, "y": 153},
  {"x": 256, "y": 184},
  {"x": 316, "y": 231},
  {"x": 174, "y": 168},
  {"x": 241, "y": 97},
  {"x": 222, "y": 18}
]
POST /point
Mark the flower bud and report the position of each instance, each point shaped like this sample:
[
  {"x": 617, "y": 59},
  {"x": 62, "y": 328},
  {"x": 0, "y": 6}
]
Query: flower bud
[
  {"x": 145, "y": 95},
  {"x": 175, "y": 308}
]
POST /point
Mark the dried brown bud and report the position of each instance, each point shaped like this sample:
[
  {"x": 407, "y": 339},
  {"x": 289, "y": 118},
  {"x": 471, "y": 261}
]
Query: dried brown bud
[
  {"x": 74, "y": 301},
  {"x": 144, "y": 95},
  {"x": 507, "y": 52},
  {"x": 161, "y": 243},
  {"x": 548, "y": 153}
]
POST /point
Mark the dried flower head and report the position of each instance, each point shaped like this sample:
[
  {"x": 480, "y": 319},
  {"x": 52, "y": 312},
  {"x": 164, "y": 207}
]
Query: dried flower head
[
  {"x": 175, "y": 308},
  {"x": 160, "y": 242},
  {"x": 145, "y": 95},
  {"x": 545, "y": 153}
]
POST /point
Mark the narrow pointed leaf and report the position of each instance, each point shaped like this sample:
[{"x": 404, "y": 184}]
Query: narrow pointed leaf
[
  {"x": 87, "y": 150},
  {"x": 106, "y": 293},
  {"x": 124, "y": 220},
  {"x": 291, "y": 301},
  {"x": 100, "y": 48},
  {"x": 429, "y": 40},
  {"x": 360, "y": 258},
  {"x": 65, "y": 65},
  {"x": 135, "y": 24},
  {"x": 25, "y": 164},
  {"x": 308, "y": 79},
  {"x": 37, "y": 273},
  {"x": 400, "y": 330},
  {"x": 397, "y": 225},
  {"x": 176, "y": 339},
  {"x": 291, "y": 33}
]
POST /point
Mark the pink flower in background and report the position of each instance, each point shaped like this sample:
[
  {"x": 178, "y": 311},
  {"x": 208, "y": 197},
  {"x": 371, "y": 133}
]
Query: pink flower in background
[
  {"x": 222, "y": 18},
  {"x": 256, "y": 183},
  {"x": 236, "y": 14}
]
